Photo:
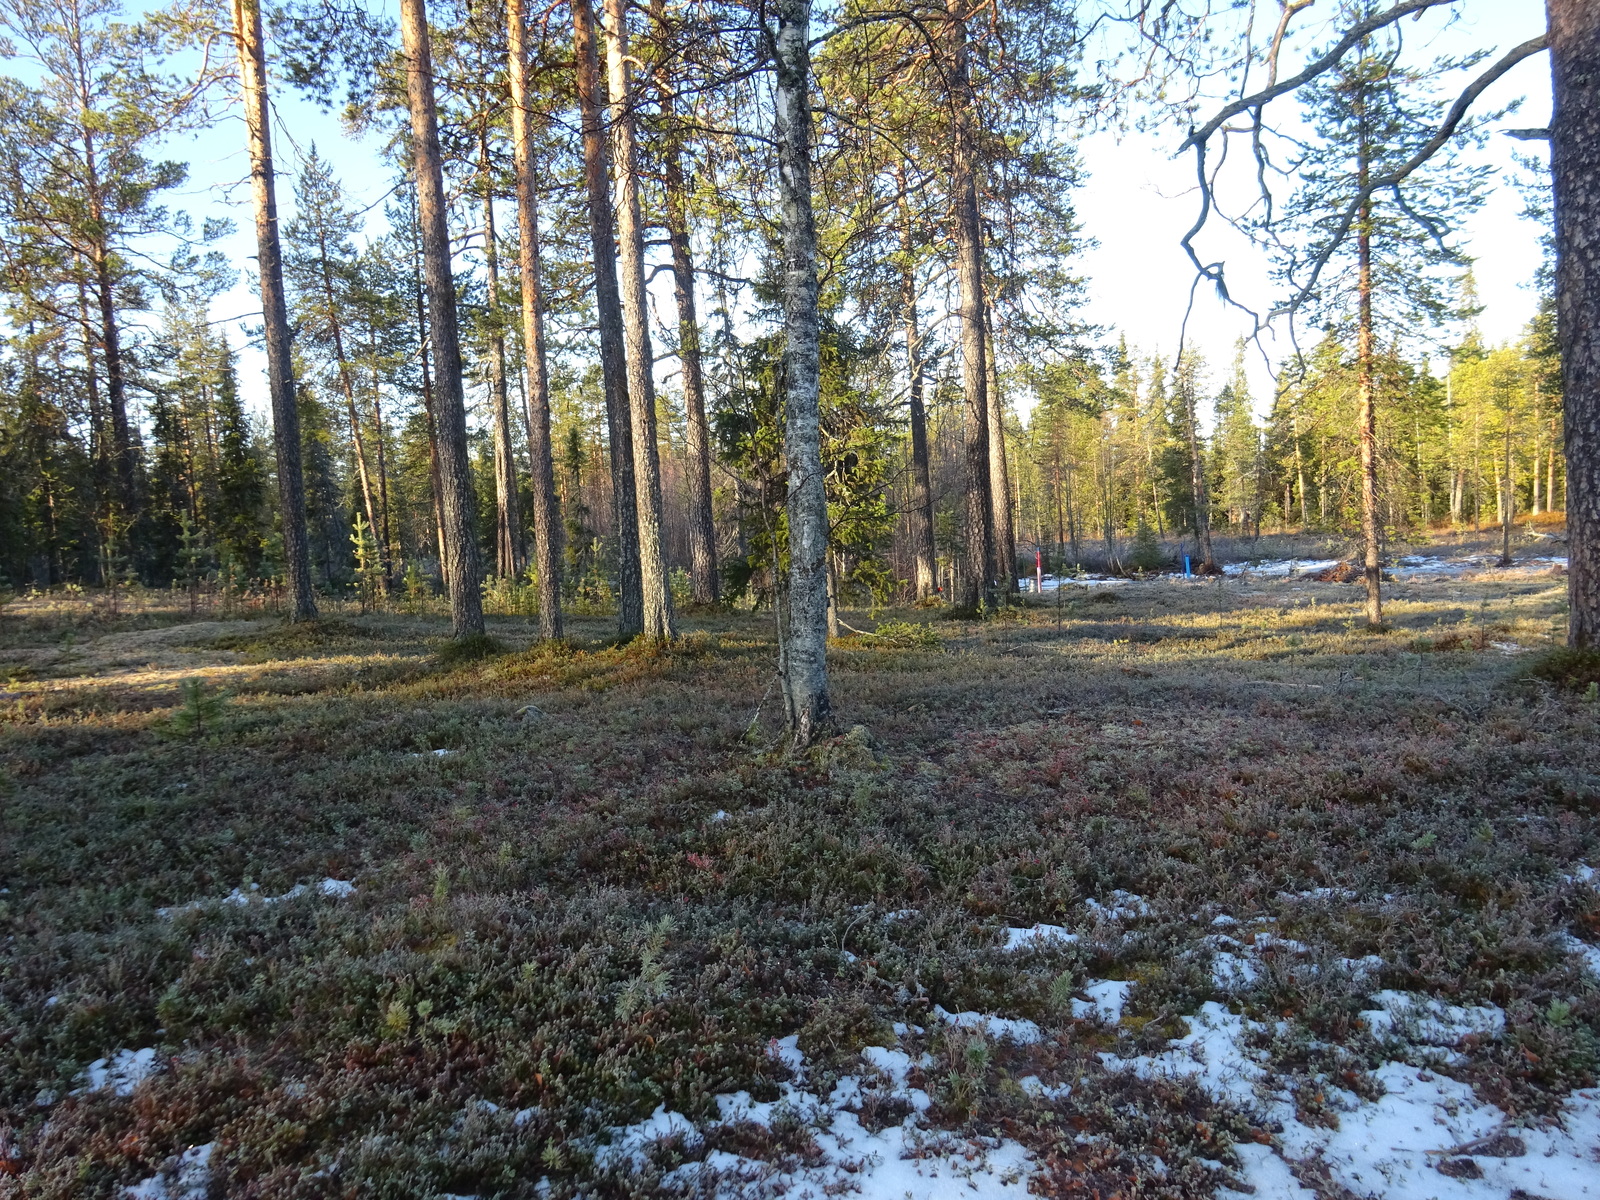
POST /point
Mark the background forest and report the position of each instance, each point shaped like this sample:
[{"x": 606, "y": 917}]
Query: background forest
[{"x": 129, "y": 457}]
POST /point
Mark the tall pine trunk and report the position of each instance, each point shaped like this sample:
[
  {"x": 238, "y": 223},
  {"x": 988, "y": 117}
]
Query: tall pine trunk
[
  {"x": 704, "y": 580},
  {"x": 923, "y": 551},
  {"x": 654, "y": 585},
  {"x": 1366, "y": 415},
  {"x": 1197, "y": 475},
  {"x": 274, "y": 311},
  {"x": 508, "y": 514},
  {"x": 608, "y": 309},
  {"x": 1575, "y": 171},
  {"x": 805, "y": 665},
  {"x": 977, "y": 559},
  {"x": 449, "y": 403},
  {"x": 1005, "y": 537},
  {"x": 546, "y": 516}
]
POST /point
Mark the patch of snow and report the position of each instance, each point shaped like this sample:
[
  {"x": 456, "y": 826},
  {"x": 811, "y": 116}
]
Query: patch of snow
[
  {"x": 1385, "y": 1149},
  {"x": 1591, "y": 954},
  {"x": 1582, "y": 873},
  {"x": 1016, "y": 1029},
  {"x": 1123, "y": 906},
  {"x": 1233, "y": 972},
  {"x": 338, "y": 889},
  {"x": 1107, "y": 997},
  {"x": 1321, "y": 893},
  {"x": 720, "y": 815},
  {"x": 787, "y": 1051},
  {"x": 900, "y": 1162},
  {"x": 1281, "y": 569},
  {"x": 185, "y": 1176},
  {"x": 123, "y": 1071},
  {"x": 1037, "y": 937},
  {"x": 1223, "y": 920},
  {"x": 1053, "y": 584},
  {"x": 1429, "y": 1021},
  {"x": 1033, "y": 1086}
]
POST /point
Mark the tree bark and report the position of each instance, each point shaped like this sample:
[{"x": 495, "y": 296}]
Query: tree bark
[
  {"x": 1366, "y": 417},
  {"x": 274, "y": 311},
  {"x": 1197, "y": 475},
  {"x": 450, "y": 413},
  {"x": 1575, "y": 170},
  {"x": 923, "y": 548},
  {"x": 977, "y": 580},
  {"x": 546, "y": 515},
  {"x": 508, "y": 515},
  {"x": 608, "y": 309},
  {"x": 1005, "y": 537},
  {"x": 346, "y": 383},
  {"x": 704, "y": 579},
  {"x": 655, "y": 586},
  {"x": 805, "y": 667}
]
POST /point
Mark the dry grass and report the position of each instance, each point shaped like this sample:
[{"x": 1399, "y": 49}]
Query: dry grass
[{"x": 615, "y": 890}]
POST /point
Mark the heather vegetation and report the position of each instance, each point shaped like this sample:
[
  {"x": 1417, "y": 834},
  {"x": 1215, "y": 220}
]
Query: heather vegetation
[{"x": 587, "y": 881}]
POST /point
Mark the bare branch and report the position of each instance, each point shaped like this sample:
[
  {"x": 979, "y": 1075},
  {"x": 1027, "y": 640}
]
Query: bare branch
[{"x": 1353, "y": 36}]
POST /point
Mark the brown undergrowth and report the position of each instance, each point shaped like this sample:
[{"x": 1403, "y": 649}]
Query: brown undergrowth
[{"x": 609, "y": 894}]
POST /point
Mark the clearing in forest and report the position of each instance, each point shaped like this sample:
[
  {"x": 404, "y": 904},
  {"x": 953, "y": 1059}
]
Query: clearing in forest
[{"x": 1163, "y": 890}]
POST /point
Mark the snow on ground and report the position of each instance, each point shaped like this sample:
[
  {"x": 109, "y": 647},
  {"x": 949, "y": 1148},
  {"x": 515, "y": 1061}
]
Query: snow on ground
[
  {"x": 904, "y": 1161},
  {"x": 1281, "y": 569},
  {"x": 1054, "y": 583},
  {"x": 1123, "y": 906},
  {"x": 1429, "y": 566},
  {"x": 1039, "y": 936},
  {"x": 185, "y": 1176},
  {"x": 122, "y": 1070},
  {"x": 1390, "y": 1148},
  {"x": 338, "y": 889}
]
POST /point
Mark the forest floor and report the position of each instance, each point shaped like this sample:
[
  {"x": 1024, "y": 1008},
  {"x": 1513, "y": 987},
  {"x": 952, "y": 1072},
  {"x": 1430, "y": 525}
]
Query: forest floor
[{"x": 1172, "y": 890}]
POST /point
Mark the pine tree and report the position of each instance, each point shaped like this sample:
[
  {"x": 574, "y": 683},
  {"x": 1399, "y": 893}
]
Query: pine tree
[{"x": 241, "y": 478}]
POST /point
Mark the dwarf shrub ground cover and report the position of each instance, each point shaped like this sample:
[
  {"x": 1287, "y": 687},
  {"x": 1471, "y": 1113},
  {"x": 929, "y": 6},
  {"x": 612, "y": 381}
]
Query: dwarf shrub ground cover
[{"x": 604, "y": 897}]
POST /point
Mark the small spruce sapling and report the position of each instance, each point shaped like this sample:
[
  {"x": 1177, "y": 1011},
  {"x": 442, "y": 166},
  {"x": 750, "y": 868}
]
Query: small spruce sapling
[{"x": 199, "y": 714}]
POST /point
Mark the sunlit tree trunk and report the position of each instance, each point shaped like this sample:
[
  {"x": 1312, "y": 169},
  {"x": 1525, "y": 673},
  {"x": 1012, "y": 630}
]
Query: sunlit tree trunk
[
  {"x": 546, "y": 516},
  {"x": 805, "y": 668},
  {"x": 654, "y": 585},
  {"x": 450, "y": 414},
  {"x": 977, "y": 579},
  {"x": 1005, "y": 537},
  {"x": 1575, "y": 170},
  {"x": 275, "y": 313},
  {"x": 608, "y": 310}
]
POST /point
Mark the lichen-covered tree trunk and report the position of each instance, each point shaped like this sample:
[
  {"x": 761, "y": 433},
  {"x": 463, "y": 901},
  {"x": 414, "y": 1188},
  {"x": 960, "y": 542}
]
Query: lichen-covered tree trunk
[
  {"x": 976, "y": 589},
  {"x": 655, "y": 588},
  {"x": 275, "y": 313},
  {"x": 450, "y": 414},
  {"x": 1575, "y": 170},
  {"x": 805, "y": 666},
  {"x": 546, "y": 515},
  {"x": 608, "y": 310}
]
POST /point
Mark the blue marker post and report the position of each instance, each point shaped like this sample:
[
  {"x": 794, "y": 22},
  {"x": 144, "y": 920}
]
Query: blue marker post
[{"x": 1187, "y": 574}]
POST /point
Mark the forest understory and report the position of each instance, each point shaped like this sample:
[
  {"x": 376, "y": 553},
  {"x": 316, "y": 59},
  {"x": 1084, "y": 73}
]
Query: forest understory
[{"x": 1164, "y": 890}]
